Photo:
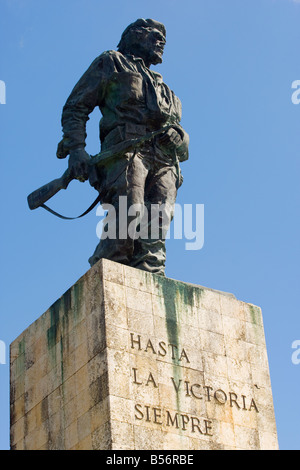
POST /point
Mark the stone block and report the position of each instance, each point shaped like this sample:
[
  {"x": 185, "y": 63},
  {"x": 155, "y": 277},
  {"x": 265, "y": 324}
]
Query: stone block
[{"x": 133, "y": 361}]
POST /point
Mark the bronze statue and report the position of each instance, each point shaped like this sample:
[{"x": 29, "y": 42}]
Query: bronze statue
[{"x": 142, "y": 142}]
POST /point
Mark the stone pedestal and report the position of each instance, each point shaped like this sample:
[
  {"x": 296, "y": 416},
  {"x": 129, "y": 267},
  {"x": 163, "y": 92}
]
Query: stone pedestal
[{"x": 132, "y": 361}]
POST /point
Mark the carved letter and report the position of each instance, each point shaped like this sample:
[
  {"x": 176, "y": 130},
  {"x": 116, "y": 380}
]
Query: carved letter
[
  {"x": 147, "y": 410},
  {"x": 162, "y": 346},
  {"x": 157, "y": 414},
  {"x": 173, "y": 346},
  {"x": 150, "y": 345},
  {"x": 207, "y": 427},
  {"x": 220, "y": 400},
  {"x": 253, "y": 405},
  {"x": 187, "y": 388},
  {"x": 151, "y": 379},
  {"x": 184, "y": 354},
  {"x": 185, "y": 420},
  {"x": 244, "y": 402},
  {"x": 169, "y": 420},
  {"x": 233, "y": 400},
  {"x": 192, "y": 391},
  {"x": 177, "y": 387},
  {"x": 137, "y": 406},
  {"x": 135, "y": 380},
  {"x": 135, "y": 341},
  {"x": 196, "y": 425},
  {"x": 208, "y": 391}
]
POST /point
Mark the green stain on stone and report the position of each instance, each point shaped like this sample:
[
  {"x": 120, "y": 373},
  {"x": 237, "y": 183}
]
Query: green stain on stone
[
  {"x": 169, "y": 296},
  {"x": 77, "y": 292},
  {"x": 62, "y": 359},
  {"x": 177, "y": 298},
  {"x": 52, "y": 332},
  {"x": 67, "y": 300},
  {"x": 255, "y": 313},
  {"x": 54, "y": 321},
  {"x": 65, "y": 311},
  {"x": 22, "y": 346},
  {"x": 65, "y": 320},
  {"x": 20, "y": 361}
]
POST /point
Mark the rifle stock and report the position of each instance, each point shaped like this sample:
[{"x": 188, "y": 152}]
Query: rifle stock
[{"x": 44, "y": 193}]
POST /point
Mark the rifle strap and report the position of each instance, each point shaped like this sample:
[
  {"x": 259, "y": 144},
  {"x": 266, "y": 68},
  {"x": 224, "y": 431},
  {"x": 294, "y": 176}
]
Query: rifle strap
[
  {"x": 72, "y": 218},
  {"x": 144, "y": 139}
]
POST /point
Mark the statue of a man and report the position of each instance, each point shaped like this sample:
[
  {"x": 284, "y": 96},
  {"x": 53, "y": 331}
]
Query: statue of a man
[{"x": 134, "y": 101}]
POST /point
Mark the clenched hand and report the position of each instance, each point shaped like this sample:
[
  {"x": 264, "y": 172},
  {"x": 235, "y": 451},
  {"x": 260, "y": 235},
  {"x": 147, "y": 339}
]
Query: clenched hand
[{"x": 79, "y": 164}]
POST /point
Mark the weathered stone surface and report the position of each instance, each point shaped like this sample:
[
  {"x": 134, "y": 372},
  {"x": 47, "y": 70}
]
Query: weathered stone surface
[{"x": 130, "y": 360}]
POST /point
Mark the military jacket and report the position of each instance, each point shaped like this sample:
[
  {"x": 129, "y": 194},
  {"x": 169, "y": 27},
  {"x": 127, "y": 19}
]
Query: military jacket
[{"x": 133, "y": 101}]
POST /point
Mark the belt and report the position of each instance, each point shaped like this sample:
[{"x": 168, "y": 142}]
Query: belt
[{"x": 125, "y": 131}]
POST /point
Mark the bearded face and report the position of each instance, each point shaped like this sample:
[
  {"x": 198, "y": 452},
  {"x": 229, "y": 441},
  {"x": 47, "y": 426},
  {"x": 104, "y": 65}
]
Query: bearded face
[
  {"x": 151, "y": 46},
  {"x": 145, "y": 42}
]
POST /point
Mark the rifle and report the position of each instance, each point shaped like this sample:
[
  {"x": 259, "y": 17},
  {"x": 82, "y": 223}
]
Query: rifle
[{"x": 41, "y": 195}]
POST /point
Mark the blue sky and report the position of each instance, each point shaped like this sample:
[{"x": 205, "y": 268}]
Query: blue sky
[{"x": 232, "y": 64}]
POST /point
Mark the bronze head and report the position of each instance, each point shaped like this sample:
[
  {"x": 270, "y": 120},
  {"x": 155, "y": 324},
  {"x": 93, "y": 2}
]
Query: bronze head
[{"x": 144, "y": 39}]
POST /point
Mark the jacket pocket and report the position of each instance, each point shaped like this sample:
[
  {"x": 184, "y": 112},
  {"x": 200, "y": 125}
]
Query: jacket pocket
[{"x": 125, "y": 87}]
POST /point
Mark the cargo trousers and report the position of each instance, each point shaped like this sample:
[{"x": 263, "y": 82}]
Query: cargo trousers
[{"x": 143, "y": 184}]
